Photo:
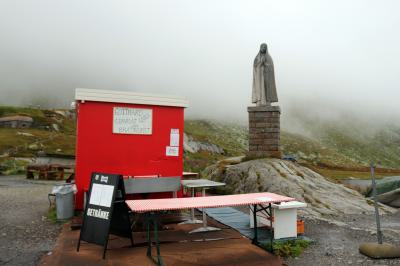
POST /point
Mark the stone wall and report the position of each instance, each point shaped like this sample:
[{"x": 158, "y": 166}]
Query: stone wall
[{"x": 264, "y": 131}]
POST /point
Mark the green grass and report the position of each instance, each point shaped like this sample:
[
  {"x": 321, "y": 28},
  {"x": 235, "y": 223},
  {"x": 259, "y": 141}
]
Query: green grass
[
  {"x": 345, "y": 174},
  {"x": 361, "y": 141},
  {"x": 12, "y": 110},
  {"x": 332, "y": 148},
  {"x": 290, "y": 248},
  {"x": 232, "y": 138},
  {"x": 44, "y": 138},
  {"x": 311, "y": 151},
  {"x": 331, "y": 145},
  {"x": 196, "y": 162},
  {"x": 48, "y": 141},
  {"x": 336, "y": 151},
  {"x": 52, "y": 214},
  {"x": 379, "y": 147},
  {"x": 11, "y": 166}
]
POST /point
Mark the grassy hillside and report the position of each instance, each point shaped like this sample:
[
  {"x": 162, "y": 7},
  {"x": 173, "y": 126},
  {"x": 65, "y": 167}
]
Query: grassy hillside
[
  {"x": 339, "y": 151},
  {"x": 232, "y": 138},
  {"x": 51, "y": 132},
  {"x": 334, "y": 149},
  {"x": 330, "y": 146}
]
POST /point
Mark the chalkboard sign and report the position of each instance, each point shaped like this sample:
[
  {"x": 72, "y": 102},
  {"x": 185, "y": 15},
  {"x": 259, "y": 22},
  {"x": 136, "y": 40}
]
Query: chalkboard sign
[{"x": 106, "y": 211}]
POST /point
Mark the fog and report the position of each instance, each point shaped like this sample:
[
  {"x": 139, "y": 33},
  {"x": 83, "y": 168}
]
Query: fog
[{"x": 331, "y": 57}]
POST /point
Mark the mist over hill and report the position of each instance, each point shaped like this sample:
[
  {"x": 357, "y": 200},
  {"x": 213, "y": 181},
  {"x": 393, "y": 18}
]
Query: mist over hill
[
  {"x": 325, "y": 143},
  {"x": 340, "y": 141},
  {"x": 337, "y": 80}
]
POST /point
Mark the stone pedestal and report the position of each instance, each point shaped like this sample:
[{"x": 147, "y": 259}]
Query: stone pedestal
[{"x": 264, "y": 131}]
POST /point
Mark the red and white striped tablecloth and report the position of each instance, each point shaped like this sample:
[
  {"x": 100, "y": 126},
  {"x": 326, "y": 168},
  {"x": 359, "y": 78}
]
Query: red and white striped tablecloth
[{"x": 205, "y": 202}]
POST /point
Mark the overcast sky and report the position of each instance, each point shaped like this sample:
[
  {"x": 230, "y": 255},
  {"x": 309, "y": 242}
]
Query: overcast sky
[{"x": 329, "y": 56}]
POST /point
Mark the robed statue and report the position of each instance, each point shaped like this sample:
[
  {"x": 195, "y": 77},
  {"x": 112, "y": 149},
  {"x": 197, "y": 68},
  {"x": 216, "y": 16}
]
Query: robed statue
[{"x": 264, "y": 89}]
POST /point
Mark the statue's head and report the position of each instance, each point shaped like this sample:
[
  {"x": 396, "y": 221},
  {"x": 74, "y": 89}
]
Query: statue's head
[{"x": 263, "y": 48}]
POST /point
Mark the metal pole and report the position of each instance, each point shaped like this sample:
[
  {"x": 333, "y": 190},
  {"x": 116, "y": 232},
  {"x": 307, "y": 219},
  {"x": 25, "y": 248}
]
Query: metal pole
[
  {"x": 378, "y": 222},
  {"x": 192, "y": 210},
  {"x": 148, "y": 235},
  {"x": 203, "y": 192}
]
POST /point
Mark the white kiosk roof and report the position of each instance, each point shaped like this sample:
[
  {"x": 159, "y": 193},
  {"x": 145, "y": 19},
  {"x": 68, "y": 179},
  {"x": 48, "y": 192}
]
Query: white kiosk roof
[{"x": 129, "y": 97}]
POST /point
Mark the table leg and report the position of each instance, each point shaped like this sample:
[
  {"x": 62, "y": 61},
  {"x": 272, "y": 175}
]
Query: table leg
[
  {"x": 255, "y": 239},
  {"x": 192, "y": 219},
  {"x": 192, "y": 210},
  {"x": 152, "y": 218},
  {"x": 203, "y": 194},
  {"x": 159, "y": 258},
  {"x": 148, "y": 235},
  {"x": 204, "y": 228},
  {"x": 270, "y": 227},
  {"x": 268, "y": 210}
]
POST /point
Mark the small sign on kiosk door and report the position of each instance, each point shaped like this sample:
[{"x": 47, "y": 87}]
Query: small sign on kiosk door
[{"x": 106, "y": 211}]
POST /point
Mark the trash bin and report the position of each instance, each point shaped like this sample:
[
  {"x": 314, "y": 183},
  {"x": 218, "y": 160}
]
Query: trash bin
[{"x": 65, "y": 199}]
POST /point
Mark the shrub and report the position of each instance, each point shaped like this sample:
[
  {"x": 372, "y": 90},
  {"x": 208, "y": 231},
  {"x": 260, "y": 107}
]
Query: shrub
[{"x": 290, "y": 248}]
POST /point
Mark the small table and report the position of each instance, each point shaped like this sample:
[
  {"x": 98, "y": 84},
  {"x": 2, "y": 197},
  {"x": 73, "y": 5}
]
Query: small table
[{"x": 203, "y": 184}]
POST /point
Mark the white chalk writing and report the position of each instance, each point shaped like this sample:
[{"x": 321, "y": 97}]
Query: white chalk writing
[{"x": 98, "y": 213}]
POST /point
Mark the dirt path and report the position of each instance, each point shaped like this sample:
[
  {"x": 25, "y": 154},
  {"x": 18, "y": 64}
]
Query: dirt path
[{"x": 25, "y": 233}]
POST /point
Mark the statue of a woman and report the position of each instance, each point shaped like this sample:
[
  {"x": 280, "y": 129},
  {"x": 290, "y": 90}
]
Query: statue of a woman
[{"x": 264, "y": 89}]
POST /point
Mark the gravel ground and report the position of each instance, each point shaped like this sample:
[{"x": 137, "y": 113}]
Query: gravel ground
[
  {"x": 338, "y": 245},
  {"x": 25, "y": 233}
]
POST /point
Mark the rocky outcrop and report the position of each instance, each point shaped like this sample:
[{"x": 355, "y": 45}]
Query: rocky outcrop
[
  {"x": 325, "y": 199},
  {"x": 16, "y": 121},
  {"x": 391, "y": 198},
  {"x": 191, "y": 145}
]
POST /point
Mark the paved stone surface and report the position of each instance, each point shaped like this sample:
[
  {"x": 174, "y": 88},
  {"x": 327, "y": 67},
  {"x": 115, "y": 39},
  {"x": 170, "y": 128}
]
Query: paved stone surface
[
  {"x": 178, "y": 247},
  {"x": 25, "y": 232}
]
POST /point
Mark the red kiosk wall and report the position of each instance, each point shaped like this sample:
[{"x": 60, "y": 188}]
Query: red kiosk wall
[{"x": 98, "y": 149}]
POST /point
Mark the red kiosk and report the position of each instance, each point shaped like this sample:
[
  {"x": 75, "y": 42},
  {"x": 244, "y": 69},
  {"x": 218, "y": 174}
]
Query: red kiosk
[{"x": 128, "y": 133}]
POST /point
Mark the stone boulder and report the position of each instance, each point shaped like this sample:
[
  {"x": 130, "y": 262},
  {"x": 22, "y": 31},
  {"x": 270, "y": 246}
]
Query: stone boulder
[
  {"x": 380, "y": 251},
  {"x": 192, "y": 146},
  {"x": 325, "y": 198}
]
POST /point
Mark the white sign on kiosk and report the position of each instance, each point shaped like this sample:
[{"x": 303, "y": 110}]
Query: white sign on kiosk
[
  {"x": 172, "y": 151},
  {"x": 174, "y": 137},
  {"x": 132, "y": 121}
]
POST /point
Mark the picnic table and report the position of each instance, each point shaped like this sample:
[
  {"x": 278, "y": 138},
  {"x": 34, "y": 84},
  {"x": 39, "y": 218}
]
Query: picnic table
[
  {"x": 47, "y": 171},
  {"x": 260, "y": 202}
]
